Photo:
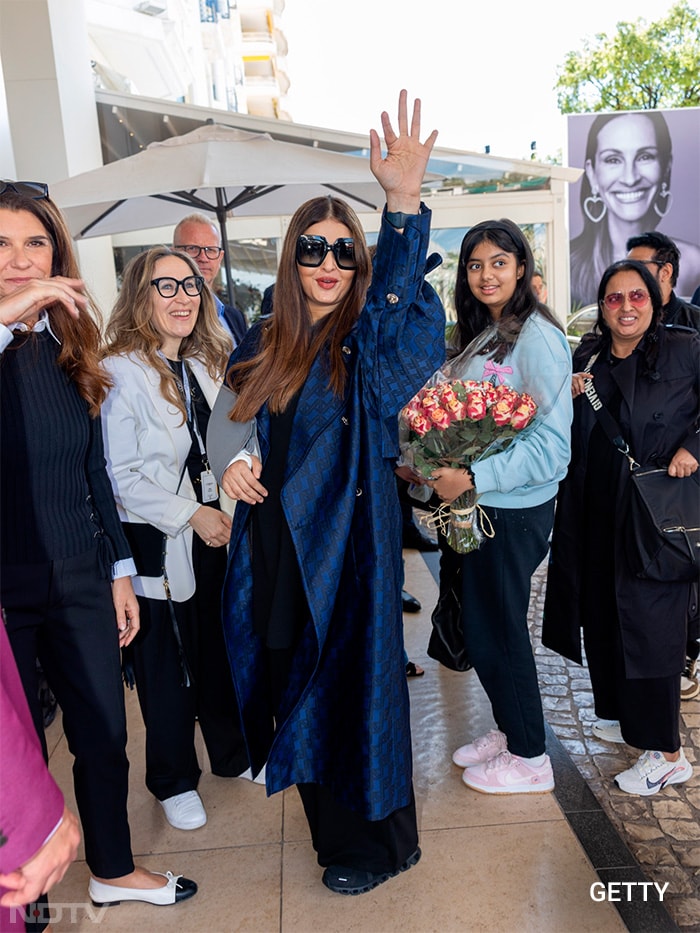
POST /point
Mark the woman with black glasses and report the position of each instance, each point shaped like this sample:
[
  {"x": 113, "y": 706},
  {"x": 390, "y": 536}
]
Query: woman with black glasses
[
  {"x": 646, "y": 377},
  {"x": 312, "y": 602},
  {"x": 65, "y": 581},
  {"x": 166, "y": 356}
]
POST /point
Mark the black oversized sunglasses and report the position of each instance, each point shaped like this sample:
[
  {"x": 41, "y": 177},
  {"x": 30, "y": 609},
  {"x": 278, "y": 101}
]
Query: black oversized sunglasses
[
  {"x": 37, "y": 190},
  {"x": 312, "y": 250},
  {"x": 168, "y": 287}
]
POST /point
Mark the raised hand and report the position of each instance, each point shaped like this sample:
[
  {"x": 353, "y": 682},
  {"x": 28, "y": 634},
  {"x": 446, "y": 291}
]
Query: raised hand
[
  {"x": 401, "y": 171},
  {"x": 26, "y": 302}
]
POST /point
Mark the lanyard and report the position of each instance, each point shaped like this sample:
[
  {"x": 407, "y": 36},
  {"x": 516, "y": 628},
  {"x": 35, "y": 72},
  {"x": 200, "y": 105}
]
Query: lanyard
[{"x": 184, "y": 386}]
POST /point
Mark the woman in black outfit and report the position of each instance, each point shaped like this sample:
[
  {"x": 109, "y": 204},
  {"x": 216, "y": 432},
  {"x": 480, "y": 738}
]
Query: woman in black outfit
[
  {"x": 634, "y": 630},
  {"x": 65, "y": 587}
]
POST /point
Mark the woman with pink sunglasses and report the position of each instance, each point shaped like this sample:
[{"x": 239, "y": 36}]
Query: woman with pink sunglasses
[{"x": 646, "y": 377}]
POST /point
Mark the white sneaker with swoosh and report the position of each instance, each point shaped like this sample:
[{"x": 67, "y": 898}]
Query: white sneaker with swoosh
[{"x": 652, "y": 772}]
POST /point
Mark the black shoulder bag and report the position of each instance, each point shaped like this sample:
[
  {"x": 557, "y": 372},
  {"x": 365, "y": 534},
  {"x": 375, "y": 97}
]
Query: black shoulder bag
[
  {"x": 149, "y": 548},
  {"x": 663, "y": 521}
]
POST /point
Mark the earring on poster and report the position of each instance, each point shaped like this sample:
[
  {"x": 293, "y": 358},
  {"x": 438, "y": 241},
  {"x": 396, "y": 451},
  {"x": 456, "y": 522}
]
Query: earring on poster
[
  {"x": 593, "y": 199},
  {"x": 668, "y": 198}
]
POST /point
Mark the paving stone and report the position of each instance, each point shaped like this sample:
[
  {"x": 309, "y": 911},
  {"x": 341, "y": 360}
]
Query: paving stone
[
  {"x": 686, "y": 912},
  {"x": 558, "y": 718},
  {"x": 664, "y": 809},
  {"x": 680, "y": 829},
  {"x": 554, "y": 690},
  {"x": 557, "y": 703},
  {"x": 688, "y": 856},
  {"x": 631, "y": 809},
  {"x": 549, "y": 678},
  {"x": 573, "y": 746},
  {"x": 678, "y": 880},
  {"x": 654, "y": 855},
  {"x": 643, "y": 832},
  {"x": 692, "y": 795}
]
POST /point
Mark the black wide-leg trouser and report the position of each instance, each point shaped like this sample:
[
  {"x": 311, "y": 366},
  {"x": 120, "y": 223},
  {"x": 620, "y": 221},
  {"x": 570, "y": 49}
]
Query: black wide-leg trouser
[
  {"x": 495, "y": 599},
  {"x": 62, "y": 613}
]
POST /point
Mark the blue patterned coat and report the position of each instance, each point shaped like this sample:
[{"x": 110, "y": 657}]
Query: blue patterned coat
[{"x": 344, "y": 721}]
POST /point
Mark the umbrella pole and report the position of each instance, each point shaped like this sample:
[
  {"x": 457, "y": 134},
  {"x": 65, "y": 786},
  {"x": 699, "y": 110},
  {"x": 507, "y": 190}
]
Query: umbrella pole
[{"x": 221, "y": 217}]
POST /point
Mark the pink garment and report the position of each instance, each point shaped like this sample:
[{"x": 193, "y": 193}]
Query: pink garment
[{"x": 31, "y": 803}]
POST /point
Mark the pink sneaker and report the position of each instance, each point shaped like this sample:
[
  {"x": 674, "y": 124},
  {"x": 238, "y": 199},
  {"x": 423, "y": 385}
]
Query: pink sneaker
[
  {"x": 508, "y": 774},
  {"x": 480, "y": 750}
]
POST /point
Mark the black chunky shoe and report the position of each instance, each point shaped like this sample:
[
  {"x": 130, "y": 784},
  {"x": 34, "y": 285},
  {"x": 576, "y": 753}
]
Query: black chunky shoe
[{"x": 356, "y": 881}]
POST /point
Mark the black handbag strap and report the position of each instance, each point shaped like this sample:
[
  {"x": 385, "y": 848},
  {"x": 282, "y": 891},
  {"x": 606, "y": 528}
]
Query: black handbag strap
[
  {"x": 187, "y": 677},
  {"x": 611, "y": 428}
]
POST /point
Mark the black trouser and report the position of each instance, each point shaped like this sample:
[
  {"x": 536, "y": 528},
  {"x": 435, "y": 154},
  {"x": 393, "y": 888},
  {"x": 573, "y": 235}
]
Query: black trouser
[
  {"x": 495, "y": 599},
  {"x": 647, "y": 708},
  {"x": 341, "y": 836},
  {"x": 167, "y": 705},
  {"x": 62, "y": 613},
  {"x": 169, "y": 708},
  {"x": 217, "y": 706}
]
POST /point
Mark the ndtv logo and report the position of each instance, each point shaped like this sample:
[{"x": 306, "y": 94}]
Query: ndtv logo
[
  {"x": 623, "y": 890},
  {"x": 53, "y": 913}
]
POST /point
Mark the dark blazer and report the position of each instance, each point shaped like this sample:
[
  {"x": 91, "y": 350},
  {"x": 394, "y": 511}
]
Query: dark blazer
[
  {"x": 659, "y": 414},
  {"x": 235, "y": 319},
  {"x": 345, "y": 719}
]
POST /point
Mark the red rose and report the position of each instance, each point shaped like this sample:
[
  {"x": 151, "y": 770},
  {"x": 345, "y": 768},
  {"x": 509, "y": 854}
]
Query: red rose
[
  {"x": 476, "y": 406},
  {"x": 440, "y": 418},
  {"x": 502, "y": 411},
  {"x": 457, "y": 409},
  {"x": 523, "y": 413},
  {"x": 420, "y": 425}
]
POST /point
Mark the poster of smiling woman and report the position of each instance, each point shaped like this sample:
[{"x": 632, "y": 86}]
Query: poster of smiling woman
[{"x": 641, "y": 173}]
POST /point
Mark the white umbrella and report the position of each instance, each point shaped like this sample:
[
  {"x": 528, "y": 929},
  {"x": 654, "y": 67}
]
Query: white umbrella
[{"x": 217, "y": 169}]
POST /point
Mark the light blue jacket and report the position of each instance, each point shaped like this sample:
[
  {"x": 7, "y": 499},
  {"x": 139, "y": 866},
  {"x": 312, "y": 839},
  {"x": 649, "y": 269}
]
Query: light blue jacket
[{"x": 528, "y": 471}]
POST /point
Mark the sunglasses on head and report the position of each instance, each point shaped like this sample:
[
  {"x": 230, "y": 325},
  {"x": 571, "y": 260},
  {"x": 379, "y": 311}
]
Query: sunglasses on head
[
  {"x": 312, "y": 250},
  {"x": 168, "y": 287},
  {"x": 638, "y": 297},
  {"x": 36, "y": 190}
]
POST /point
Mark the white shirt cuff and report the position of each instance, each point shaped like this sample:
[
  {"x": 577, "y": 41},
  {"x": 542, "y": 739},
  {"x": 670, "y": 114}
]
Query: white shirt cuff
[{"x": 124, "y": 568}]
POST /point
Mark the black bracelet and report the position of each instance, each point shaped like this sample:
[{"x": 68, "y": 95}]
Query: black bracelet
[{"x": 468, "y": 471}]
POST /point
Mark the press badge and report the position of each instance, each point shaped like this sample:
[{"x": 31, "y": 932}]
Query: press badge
[{"x": 210, "y": 491}]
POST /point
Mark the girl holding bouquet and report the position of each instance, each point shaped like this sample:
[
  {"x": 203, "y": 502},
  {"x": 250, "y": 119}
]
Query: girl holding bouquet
[
  {"x": 512, "y": 340},
  {"x": 306, "y": 442}
]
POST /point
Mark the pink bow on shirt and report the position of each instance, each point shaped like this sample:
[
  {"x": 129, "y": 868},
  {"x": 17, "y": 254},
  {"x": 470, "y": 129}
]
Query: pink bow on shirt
[{"x": 495, "y": 369}]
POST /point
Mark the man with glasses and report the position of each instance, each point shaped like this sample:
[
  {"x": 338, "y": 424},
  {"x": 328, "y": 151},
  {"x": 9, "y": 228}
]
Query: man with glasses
[
  {"x": 197, "y": 236},
  {"x": 662, "y": 257}
]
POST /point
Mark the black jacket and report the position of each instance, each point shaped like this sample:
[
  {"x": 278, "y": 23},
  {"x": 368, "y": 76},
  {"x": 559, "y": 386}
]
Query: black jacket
[
  {"x": 236, "y": 322},
  {"x": 681, "y": 313},
  {"x": 659, "y": 414}
]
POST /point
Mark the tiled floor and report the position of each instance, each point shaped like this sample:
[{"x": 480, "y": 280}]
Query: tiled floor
[{"x": 489, "y": 864}]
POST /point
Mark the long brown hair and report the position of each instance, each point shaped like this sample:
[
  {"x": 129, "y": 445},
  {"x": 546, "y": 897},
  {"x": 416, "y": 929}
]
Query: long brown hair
[
  {"x": 131, "y": 328},
  {"x": 80, "y": 338},
  {"x": 291, "y": 341}
]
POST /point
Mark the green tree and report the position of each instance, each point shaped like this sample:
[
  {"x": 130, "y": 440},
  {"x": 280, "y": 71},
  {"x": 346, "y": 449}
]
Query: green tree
[{"x": 640, "y": 67}]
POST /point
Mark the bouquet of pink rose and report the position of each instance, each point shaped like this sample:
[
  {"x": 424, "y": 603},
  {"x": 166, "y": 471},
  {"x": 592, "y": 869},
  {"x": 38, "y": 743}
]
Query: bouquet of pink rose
[{"x": 454, "y": 423}]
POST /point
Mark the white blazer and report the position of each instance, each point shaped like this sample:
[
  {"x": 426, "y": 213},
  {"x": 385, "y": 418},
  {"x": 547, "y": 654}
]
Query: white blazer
[{"x": 146, "y": 446}]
